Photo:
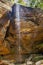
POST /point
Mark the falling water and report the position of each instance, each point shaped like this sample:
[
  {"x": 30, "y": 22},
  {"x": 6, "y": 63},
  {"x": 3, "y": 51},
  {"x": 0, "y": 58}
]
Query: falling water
[{"x": 19, "y": 58}]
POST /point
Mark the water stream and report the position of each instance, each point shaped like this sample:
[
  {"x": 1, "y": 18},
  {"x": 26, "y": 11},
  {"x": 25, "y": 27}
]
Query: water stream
[{"x": 19, "y": 58}]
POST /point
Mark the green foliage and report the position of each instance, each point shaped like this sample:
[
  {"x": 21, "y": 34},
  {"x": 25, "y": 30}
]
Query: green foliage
[
  {"x": 30, "y": 3},
  {"x": 21, "y": 2}
]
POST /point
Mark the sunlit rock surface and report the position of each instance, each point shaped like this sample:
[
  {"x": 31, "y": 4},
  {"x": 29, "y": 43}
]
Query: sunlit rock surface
[{"x": 6, "y": 62}]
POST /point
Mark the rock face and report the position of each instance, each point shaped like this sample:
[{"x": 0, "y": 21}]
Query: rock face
[
  {"x": 4, "y": 23},
  {"x": 25, "y": 38}
]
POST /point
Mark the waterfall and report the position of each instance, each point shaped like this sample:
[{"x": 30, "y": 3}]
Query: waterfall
[{"x": 19, "y": 58}]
